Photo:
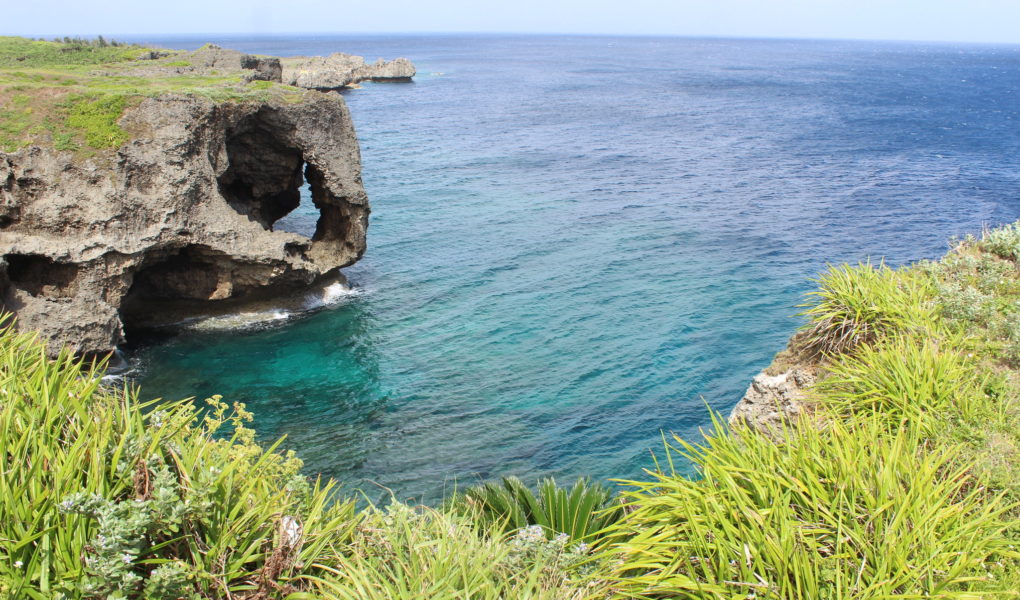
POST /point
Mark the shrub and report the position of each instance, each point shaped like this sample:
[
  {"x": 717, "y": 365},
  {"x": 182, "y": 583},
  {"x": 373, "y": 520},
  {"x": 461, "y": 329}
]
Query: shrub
[
  {"x": 95, "y": 116},
  {"x": 402, "y": 553},
  {"x": 1002, "y": 241},
  {"x": 842, "y": 511},
  {"x": 154, "y": 501},
  {"x": 902, "y": 378},
  {"x": 858, "y": 305},
  {"x": 580, "y": 512}
]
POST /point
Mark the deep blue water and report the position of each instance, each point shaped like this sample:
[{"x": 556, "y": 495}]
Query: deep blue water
[{"x": 579, "y": 242}]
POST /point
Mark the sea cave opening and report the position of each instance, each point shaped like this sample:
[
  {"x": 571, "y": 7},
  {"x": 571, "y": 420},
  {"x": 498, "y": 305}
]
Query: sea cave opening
[
  {"x": 169, "y": 286},
  {"x": 41, "y": 275},
  {"x": 269, "y": 180}
]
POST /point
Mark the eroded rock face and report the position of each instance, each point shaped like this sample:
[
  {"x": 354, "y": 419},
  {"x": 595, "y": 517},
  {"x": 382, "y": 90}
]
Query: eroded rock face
[
  {"x": 183, "y": 213},
  {"x": 340, "y": 70},
  {"x": 774, "y": 403}
]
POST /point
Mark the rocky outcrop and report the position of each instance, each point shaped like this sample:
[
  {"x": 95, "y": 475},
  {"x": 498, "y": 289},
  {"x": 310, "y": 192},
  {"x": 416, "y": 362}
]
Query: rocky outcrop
[
  {"x": 183, "y": 214},
  {"x": 333, "y": 72},
  {"x": 340, "y": 70},
  {"x": 209, "y": 60},
  {"x": 772, "y": 403},
  {"x": 778, "y": 396}
]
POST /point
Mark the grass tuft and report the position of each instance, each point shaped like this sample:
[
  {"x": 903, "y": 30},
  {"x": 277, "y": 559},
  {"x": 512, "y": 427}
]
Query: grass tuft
[
  {"x": 846, "y": 511},
  {"x": 857, "y": 305}
]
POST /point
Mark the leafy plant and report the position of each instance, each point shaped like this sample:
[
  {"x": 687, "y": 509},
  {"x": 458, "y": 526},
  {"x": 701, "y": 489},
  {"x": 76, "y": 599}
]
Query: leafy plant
[
  {"x": 902, "y": 378},
  {"x": 405, "y": 553},
  {"x": 1003, "y": 241},
  {"x": 857, "y": 305},
  {"x": 843, "y": 511},
  {"x": 581, "y": 511},
  {"x": 96, "y": 116}
]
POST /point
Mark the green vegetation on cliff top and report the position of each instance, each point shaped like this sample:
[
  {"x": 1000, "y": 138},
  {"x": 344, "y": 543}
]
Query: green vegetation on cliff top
[
  {"x": 902, "y": 481},
  {"x": 70, "y": 95}
]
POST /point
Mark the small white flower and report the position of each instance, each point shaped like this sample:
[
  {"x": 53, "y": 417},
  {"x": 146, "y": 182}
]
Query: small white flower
[
  {"x": 18, "y": 564},
  {"x": 126, "y": 558}
]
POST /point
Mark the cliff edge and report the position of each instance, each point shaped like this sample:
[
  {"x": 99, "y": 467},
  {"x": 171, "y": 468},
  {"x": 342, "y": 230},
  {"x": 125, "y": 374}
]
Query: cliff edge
[
  {"x": 150, "y": 181},
  {"x": 184, "y": 211}
]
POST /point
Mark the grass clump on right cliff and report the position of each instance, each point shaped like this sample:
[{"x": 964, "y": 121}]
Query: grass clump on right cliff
[
  {"x": 902, "y": 480},
  {"x": 856, "y": 305},
  {"x": 847, "y": 510}
]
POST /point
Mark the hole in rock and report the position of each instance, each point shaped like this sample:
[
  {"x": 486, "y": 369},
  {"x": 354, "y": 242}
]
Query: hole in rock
[
  {"x": 268, "y": 180},
  {"x": 41, "y": 276},
  {"x": 302, "y": 219},
  {"x": 264, "y": 175},
  {"x": 174, "y": 285}
]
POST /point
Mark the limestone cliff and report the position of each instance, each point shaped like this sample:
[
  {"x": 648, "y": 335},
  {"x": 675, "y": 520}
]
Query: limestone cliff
[
  {"x": 182, "y": 213},
  {"x": 333, "y": 72},
  {"x": 779, "y": 395},
  {"x": 340, "y": 70}
]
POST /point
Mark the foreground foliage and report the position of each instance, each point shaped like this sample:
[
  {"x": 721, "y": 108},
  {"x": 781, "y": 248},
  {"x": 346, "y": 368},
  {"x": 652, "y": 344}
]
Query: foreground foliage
[
  {"x": 406, "y": 554},
  {"x": 103, "y": 497},
  {"x": 903, "y": 481},
  {"x": 582, "y": 512},
  {"x": 152, "y": 500}
]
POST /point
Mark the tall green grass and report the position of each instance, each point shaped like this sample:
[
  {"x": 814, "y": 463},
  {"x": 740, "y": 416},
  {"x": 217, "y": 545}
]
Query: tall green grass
[
  {"x": 103, "y": 497},
  {"x": 856, "y": 305},
  {"x": 918, "y": 379},
  {"x": 842, "y": 511},
  {"x": 403, "y": 553}
]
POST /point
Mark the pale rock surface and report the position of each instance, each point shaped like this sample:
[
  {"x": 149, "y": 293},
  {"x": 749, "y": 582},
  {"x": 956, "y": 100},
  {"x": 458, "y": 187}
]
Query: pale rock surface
[
  {"x": 340, "y": 70},
  {"x": 773, "y": 403}
]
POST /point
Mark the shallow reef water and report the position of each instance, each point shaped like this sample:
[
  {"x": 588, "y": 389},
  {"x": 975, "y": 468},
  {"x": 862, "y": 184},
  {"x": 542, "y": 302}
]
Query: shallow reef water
[{"x": 578, "y": 243}]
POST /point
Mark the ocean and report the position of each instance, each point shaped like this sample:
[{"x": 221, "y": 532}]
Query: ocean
[{"x": 579, "y": 244}]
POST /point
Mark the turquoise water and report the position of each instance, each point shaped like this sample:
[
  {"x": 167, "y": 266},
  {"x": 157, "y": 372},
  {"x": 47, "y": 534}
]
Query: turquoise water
[{"x": 580, "y": 242}]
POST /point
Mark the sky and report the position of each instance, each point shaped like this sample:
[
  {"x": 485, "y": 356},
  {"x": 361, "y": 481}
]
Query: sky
[{"x": 982, "y": 21}]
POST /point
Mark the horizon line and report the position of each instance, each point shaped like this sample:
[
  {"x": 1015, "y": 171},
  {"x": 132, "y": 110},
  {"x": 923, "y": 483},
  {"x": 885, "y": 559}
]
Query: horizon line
[{"x": 49, "y": 36}]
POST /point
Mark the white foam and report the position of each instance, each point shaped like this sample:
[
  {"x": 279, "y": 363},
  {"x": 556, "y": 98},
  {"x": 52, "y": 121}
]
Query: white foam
[
  {"x": 241, "y": 320},
  {"x": 329, "y": 295},
  {"x": 337, "y": 292}
]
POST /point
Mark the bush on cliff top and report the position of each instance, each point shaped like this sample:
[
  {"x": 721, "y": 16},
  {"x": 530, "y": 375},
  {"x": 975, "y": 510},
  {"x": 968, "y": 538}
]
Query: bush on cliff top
[
  {"x": 25, "y": 53},
  {"x": 857, "y": 305}
]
